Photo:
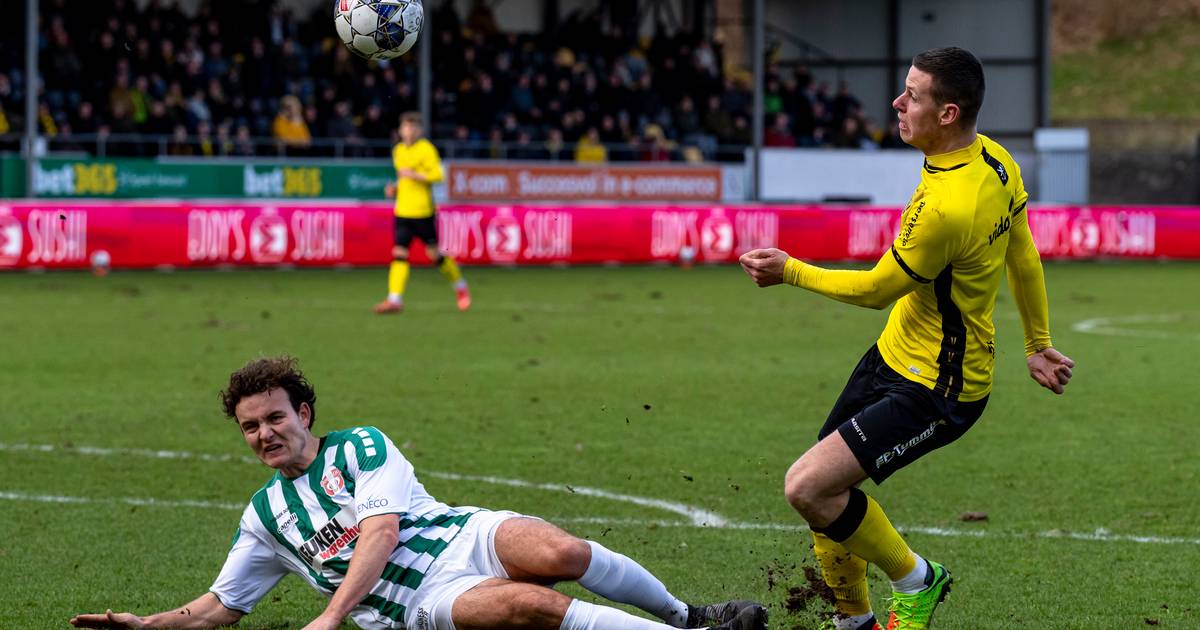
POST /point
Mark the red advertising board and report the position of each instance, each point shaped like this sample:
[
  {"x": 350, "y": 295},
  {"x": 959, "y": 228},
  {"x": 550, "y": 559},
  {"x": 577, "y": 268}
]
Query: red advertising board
[{"x": 66, "y": 234}]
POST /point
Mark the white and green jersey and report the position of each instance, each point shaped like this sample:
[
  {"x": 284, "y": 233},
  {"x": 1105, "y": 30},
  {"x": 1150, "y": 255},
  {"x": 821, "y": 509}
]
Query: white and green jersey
[{"x": 309, "y": 526}]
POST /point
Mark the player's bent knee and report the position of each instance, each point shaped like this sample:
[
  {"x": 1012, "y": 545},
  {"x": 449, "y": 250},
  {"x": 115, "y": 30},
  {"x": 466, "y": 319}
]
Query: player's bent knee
[
  {"x": 568, "y": 557},
  {"x": 800, "y": 489},
  {"x": 400, "y": 253},
  {"x": 523, "y": 606},
  {"x": 537, "y": 608}
]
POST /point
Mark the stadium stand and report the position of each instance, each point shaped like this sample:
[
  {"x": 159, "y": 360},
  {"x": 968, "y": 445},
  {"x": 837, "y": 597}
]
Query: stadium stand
[{"x": 127, "y": 82}]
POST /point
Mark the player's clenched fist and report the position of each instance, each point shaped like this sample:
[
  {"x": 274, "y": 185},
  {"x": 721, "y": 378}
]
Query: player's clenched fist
[
  {"x": 765, "y": 266},
  {"x": 1051, "y": 369}
]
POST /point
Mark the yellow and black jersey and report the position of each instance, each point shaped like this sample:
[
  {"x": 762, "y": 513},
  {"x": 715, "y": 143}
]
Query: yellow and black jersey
[
  {"x": 414, "y": 198},
  {"x": 965, "y": 224}
]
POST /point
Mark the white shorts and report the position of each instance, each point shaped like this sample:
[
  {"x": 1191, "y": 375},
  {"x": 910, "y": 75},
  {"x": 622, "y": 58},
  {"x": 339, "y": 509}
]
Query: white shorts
[{"x": 470, "y": 559}]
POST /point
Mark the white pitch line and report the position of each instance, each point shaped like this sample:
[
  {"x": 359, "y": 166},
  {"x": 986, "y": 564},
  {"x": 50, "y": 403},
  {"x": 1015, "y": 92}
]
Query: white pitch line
[
  {"x": 1117, "y": 326},
  {"x": 136, "y": 452},
  {"x": 51, "y": 498},
  {"x": 631, "y": 306},
  {"x": 1100, "y": 535},
  {"x": 696, "y": 517}
]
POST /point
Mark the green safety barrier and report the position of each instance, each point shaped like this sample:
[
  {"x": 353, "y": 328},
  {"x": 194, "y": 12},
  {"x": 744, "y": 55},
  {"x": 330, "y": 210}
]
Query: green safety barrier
[{"x": 133, "y": 179}]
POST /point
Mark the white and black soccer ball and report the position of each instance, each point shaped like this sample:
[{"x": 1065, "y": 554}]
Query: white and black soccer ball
[{"x": 378, "y": 29}]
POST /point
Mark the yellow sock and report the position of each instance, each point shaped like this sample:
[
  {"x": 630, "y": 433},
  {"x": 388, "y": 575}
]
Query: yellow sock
[
  {"x": 450, "y": 270},
  {"x": 865, "y": 531},
  {"x": 397, "y": 277},
  {"x": 845, "y": 573}
]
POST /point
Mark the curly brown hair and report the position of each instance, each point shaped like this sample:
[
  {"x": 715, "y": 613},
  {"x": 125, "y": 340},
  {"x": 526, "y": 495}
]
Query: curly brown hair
[{"x": 265, "y": 374}]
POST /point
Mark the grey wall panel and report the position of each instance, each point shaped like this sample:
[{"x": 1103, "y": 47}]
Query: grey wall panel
[
  {"x": 1010, "y": 104},
  {"x": 997, "y": 28},
  {"x": 856, "y": 29}
]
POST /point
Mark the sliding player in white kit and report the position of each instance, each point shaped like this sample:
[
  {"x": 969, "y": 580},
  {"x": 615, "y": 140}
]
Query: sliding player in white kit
[{"x": 347, "y": 514}]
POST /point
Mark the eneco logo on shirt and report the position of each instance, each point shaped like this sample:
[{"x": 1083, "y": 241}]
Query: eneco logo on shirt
[{"x": 372, "y": 504}]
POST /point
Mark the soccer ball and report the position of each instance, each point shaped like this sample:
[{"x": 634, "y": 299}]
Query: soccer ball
[
  {"x": 100, "y": 262},
  {"x": 378, "y": 29}
]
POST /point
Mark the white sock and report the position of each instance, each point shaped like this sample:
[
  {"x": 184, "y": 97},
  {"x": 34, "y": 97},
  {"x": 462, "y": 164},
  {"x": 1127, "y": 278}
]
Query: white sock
[
  {"x": 584, "y": 616},
  {"x": 915, "y": 580},
  {"x": 851, "y": 623},
  {"x": 395, "y": 298},
  {"x": 620, "y": 579}
]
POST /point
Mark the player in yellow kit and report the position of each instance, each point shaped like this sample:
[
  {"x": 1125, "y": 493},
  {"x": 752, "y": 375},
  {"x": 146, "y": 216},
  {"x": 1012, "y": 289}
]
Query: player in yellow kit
[
  {"x": 927, "y": 379},
  {"x": 418, "y": 168}
]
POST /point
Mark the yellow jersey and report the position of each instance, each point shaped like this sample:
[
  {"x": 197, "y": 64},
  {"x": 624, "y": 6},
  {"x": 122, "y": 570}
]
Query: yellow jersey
[
  {"x": 965, "y": 221},
  {"x": 414, "y": 198}
]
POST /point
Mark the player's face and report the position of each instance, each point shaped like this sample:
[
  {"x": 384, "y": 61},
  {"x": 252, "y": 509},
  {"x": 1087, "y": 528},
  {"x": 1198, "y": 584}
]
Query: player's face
[
  {"x": 919, "y": 113},
  {"x": 278, "y": 434},
  {"x": 410, "y": 132}
]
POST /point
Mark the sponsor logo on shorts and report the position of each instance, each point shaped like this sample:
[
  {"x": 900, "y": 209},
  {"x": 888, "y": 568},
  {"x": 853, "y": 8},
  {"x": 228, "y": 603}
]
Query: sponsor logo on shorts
[
  {"x": 857, "y": 429},
  {"x": 371, "y": 504},
  {"x": 423, "y": 620},
  {"x": 899, "y": 449}
]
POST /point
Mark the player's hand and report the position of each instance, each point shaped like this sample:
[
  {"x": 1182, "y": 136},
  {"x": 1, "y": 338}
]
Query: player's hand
[
  {"x": 321, "y": 623},
  {"x": 1051, "y": 369},
  {"x": 390, "y": 190},
  {"x": 765, "y": 266},
  {"x": 109, "y": 619}
]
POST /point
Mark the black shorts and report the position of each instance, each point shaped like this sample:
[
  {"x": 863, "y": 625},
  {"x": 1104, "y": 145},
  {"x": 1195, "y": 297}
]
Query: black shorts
[
  {"x": 425, "y": 229},
  {"x": 890, "y": 422}
]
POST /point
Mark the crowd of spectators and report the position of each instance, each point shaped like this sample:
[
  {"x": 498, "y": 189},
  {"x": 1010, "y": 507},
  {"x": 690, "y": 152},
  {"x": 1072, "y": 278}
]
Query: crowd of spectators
[{"x": 154, "y": 80}]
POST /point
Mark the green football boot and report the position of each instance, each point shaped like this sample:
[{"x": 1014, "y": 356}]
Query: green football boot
[{"x": 914, "y": 611}]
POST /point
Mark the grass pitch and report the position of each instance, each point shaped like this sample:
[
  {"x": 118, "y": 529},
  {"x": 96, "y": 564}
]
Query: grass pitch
[{"x": 687, "y": 386}]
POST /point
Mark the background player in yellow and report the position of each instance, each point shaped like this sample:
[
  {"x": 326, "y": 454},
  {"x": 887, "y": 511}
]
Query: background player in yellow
[
  {"x": 927, "y": 379},
  {"x": 418, "y": 168}
]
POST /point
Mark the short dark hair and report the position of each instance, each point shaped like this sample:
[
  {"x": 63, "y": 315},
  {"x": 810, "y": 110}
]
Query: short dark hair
[
  {"x": 265, "y": 374},
  {"x": 411, "y": 117},
  {"x": 957, "y": 78}
]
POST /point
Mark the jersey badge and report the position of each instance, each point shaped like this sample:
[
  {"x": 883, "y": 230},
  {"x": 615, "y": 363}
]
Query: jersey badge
[{"x": 332, "y": 481}]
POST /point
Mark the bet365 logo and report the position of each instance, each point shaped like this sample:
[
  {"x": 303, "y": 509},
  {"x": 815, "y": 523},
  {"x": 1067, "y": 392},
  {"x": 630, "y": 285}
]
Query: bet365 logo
[
  {"x": 282, "y": 182},
  {"x": 75, "y": 179}
]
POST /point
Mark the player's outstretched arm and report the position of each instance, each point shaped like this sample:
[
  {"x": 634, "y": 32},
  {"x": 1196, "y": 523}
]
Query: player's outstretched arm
[
  {"x": 874, "y": 288},
  {"x": 205, "y": 611},
  {"x": 1049, "y": 367},
  {"x": 378, "y": 538}
]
